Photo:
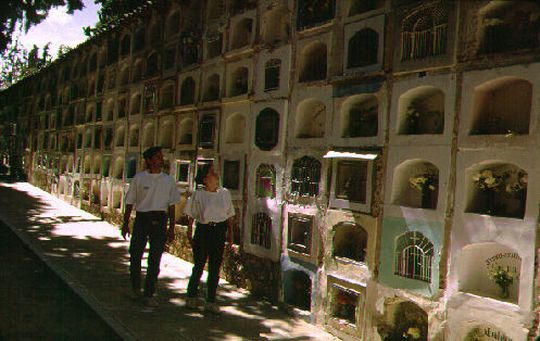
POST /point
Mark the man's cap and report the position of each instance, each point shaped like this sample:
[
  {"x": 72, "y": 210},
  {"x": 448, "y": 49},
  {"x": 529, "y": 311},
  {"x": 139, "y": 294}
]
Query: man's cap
[{"x": 150, "y": 152}]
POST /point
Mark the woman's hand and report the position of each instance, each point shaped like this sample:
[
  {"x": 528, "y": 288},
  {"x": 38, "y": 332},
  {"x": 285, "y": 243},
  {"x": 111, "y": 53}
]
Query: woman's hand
[{"x": 190, "y": 235}]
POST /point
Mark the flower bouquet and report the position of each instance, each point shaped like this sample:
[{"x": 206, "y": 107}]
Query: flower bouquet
[
  {"x": 487, "y": 180},
  {"x": 503, "y": 278},
  {"x": 423, "y": 181}
]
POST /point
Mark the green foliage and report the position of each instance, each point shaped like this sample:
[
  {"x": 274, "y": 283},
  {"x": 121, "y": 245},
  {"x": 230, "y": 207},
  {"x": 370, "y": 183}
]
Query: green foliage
[
  {"x": 17, "y": 63},
  {"x": 112, "y": 11},
  {"x": 24, "y": 14}
]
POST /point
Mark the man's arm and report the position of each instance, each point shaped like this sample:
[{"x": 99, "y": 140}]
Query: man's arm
[
  {"x": 172, "y": 222},
  {"x": 230, "y": 231},
  {"x": 125, "y": 225}
]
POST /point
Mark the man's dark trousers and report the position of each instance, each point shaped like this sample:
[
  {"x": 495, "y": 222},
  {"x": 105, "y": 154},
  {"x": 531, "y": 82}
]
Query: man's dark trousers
[{"x": 149, "y": 227}]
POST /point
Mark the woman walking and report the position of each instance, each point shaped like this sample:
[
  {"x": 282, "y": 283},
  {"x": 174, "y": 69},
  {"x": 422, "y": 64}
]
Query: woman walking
[{"x": 211, "y": 207}]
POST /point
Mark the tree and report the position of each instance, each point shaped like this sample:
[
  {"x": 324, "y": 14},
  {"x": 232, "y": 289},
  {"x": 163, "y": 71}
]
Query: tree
[
  {"x": 112, "y": 11},
  {"x": 17, "y": 63},
  {"x": 24, "y": 13}
]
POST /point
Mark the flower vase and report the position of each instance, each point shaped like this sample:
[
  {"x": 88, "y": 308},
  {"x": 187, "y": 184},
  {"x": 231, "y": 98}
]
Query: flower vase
[{"x": 505, "y": 292}]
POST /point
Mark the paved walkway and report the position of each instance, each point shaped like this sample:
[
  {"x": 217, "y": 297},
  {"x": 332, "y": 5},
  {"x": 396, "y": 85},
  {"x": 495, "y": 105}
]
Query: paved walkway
[{"x": 92, "y": 258}]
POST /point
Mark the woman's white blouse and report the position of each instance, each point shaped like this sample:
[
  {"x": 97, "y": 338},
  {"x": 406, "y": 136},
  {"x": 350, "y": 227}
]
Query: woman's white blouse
[{"x": 206, "y": 207}]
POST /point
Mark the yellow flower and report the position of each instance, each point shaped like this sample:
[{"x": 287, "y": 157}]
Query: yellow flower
[{"x": 413, "y": 332}]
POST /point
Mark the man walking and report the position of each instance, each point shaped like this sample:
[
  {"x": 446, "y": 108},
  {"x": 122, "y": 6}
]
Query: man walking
[{"x": 153, "y": 194}]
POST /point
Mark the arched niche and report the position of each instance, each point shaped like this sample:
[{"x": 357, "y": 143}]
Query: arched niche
[
  {"x": 92, "y": 62},
  {"x": 118, "y": 170},
  {"x": 508, "y": 26},
  {"x": 235, "y": 126},
  {"x": 104, "y": 196},
  {"x": 148, "y": 136},
  {"x": 187, "y": 91},
  {"x": 185, "y": 131},
  {"x": 120, "y": 136},
  {"x": 267, "y": 129},
  {"x": 76, "y": 189},
  {"x": 310, "y": 119},
  {"x": 117, "y": 199},
  {"x": 349, "y": 242},
  {"x": 363, "y": 48},
  {"x": 135, "y": 104},
  {"x": 88, "y": 138},
  {"x": 109, "y": 110},
  {"x": 85, "y": 190},
  {"x": 421, "y": 111},
  {"x": 313, "y": 62},
  {"x": 123, "y": 78},
  {"x": 502, "y": 106},
  {"x": 87, "y": 164},
  {"x": 275, "y": 28},
  {"x": 96, "y": 194},
  {"x": 137, "y": 71},
  {"x": 152, "y": 64},
  {"x": 484, "y": 268},
  {"x": 242, "y": 33},
  {"x": 122, "y": 106},
  {"x": 64, "y": 165},
  {"x": 154, "y": 32},
  {"x": 167, "y": 96},
  {"x": 96, "y": 165},
  {"x": 238, "y": 83},
  {"x": 211, "y": 88},
  {"x": 360, "y": 116},
  {"x": 166, "y": 134},
  {"x": 89, "y": 113},
  {"x": 172, "y": 25},
  {"x": 496, "y": 188},
  {"x": 297, "y": 289},
  {"x": 106, "y": 166},
  {"x": 125, "y": 45},
  {"x": 70, "y": 164},
  {"x": 139, "y": 39},
  {"x": 416, "y": 184},
  {"x": 134, "y": 135},
  {"x": 131, "y": 167}
]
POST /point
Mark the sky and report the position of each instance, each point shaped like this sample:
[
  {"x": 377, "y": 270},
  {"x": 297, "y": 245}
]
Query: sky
[{"x": 61, "y": 28}]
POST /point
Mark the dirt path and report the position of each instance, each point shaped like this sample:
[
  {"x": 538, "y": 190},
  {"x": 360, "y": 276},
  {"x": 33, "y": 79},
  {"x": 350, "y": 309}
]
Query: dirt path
[{"x": 36, "y": 305}]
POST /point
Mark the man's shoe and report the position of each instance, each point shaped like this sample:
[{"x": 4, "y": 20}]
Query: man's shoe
[
  {"x": 192, "y": 302},
  {"x": 212, "y": 307},
  {"x": 150, "y": 302}
]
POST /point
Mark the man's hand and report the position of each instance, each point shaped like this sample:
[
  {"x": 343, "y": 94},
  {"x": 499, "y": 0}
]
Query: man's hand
[
  {"x": 125, "y": 230},
  {"x": 230, "y": 236}
]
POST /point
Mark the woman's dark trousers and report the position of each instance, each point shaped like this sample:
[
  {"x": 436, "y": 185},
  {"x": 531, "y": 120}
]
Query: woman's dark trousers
[
  {"x": 149, "y": 227},
  {"x": 208, "y": 244}
]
